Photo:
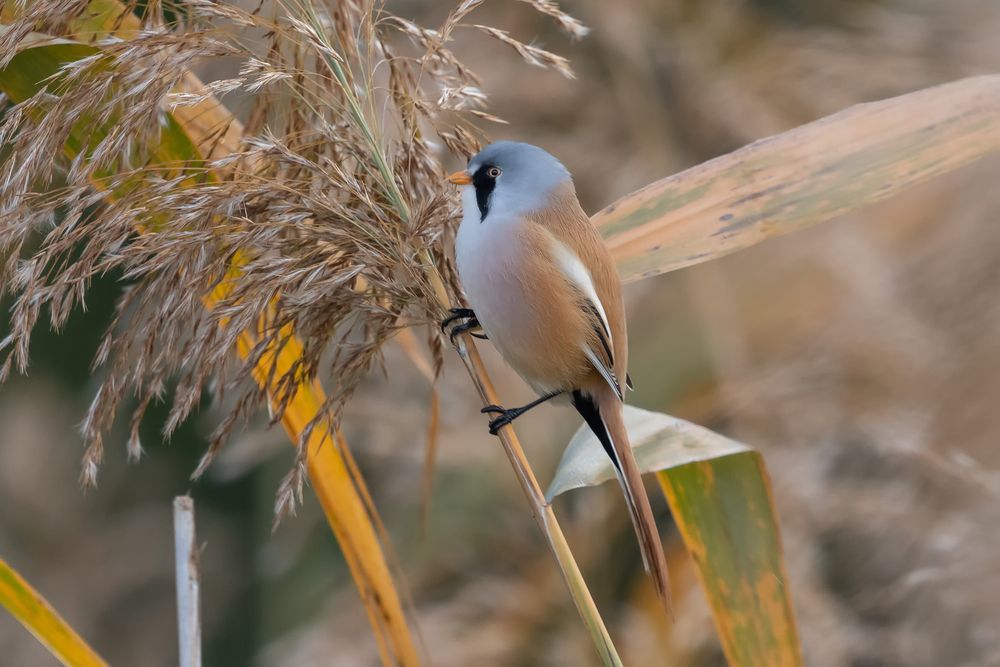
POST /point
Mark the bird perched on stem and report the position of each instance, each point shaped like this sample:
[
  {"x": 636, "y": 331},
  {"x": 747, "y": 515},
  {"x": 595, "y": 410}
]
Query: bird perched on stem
[{"x": 544, "y": 290}]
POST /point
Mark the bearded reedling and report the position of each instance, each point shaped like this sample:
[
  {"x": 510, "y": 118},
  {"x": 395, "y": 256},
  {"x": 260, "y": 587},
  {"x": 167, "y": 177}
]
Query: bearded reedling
[{"x": 544, "y": 290}]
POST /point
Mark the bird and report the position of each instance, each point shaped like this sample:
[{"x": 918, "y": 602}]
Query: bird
[{"x": 544, "y": 290}]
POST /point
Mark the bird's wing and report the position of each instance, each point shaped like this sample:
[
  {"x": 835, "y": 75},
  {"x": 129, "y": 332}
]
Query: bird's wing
[{"x": 599, "y": 349}]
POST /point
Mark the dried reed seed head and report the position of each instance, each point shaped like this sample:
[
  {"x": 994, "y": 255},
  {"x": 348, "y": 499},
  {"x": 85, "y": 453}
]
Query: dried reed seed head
[{"x": 315, "y": 225}]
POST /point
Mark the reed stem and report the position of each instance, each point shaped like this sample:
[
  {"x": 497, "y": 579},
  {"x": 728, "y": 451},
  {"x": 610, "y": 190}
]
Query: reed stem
[
  {"x": 188, "y": 583},
  {"x": 542, "y": 512}
]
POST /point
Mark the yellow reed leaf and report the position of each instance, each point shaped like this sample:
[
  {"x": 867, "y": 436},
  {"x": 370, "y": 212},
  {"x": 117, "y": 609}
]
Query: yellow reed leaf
[
  {"x": 342, "y": 495},
  {"x": 725, "y": 513},
  {"x": 37, "y": 615}
]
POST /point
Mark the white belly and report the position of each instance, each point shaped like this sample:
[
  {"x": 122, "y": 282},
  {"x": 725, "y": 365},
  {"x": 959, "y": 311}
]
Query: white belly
[{"x": 488, "y": 256}]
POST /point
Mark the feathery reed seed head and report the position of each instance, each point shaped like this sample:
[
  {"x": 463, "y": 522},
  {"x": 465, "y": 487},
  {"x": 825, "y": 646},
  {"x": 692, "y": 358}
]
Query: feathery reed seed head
[{"x": 327, "y": 221}]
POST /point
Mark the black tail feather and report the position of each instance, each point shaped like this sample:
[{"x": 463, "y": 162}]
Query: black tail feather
[
  {"x": 587, "y": 408},
  {"x": 610, "y": 431}
]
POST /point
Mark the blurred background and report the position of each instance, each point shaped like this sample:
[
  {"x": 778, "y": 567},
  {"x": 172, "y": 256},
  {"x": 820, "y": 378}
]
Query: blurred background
[{"x": 861, "y": 357}]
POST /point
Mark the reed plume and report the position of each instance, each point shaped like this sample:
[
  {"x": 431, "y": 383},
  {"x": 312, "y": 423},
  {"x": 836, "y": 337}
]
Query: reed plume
[{"x": 329, "y": 220}]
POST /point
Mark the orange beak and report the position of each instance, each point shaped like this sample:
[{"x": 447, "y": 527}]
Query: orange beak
[{"x": 460, "y": 178}]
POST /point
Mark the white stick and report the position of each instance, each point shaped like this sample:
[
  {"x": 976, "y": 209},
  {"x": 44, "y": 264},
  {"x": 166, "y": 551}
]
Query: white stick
[{"x": 186, "y": 561}]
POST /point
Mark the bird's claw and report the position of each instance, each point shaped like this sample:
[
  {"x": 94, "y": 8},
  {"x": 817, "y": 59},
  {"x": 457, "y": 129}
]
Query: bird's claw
[
  {"x": 505, "y": 416},
  {"x": 470, "y": 323},
  {"x": 462, "y": 328},
  {"x": 457, "y": 314},
  {"x": 496, "y": 424}
]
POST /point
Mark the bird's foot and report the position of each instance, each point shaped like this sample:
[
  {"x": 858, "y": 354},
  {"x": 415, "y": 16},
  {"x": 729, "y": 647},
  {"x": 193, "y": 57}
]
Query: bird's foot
[
  {"x": 505, "y": 416},
  {"x": 457, "y": 314},
  {"x": 469, "y": 324}
]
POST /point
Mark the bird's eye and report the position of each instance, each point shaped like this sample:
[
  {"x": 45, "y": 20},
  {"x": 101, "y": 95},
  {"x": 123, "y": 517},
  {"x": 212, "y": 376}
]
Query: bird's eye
[{"x": 493, "y": 172}]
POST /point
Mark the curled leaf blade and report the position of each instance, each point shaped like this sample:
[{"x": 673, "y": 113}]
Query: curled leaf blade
[
  {"x": 659, "y": 442},
  {"x": 720, "y": 498}
]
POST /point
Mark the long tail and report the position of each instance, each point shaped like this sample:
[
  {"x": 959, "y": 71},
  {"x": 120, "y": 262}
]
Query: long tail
[{"x": 604, "y": 416}]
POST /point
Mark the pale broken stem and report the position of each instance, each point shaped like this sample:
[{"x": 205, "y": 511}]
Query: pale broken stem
[
  {"x": 188, "y": 598},
  {"x": 544, "y": 516}
]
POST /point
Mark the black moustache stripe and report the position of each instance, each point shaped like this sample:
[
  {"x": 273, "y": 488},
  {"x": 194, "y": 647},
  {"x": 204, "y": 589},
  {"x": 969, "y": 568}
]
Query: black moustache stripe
[{"x": 484, "y": 189}]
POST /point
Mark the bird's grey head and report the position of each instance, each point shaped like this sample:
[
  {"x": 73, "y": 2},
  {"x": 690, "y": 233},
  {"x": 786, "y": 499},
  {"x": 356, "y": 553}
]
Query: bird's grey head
[{"x": 510, "y": 177}]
